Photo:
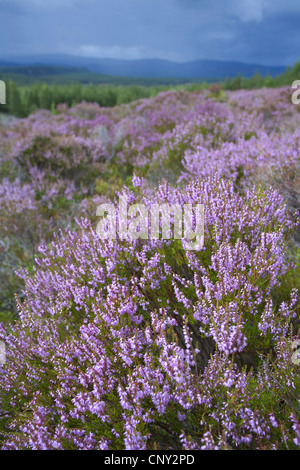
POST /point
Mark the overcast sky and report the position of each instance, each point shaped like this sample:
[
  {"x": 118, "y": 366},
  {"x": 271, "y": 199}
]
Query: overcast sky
[{"x": 253, "y": 31}]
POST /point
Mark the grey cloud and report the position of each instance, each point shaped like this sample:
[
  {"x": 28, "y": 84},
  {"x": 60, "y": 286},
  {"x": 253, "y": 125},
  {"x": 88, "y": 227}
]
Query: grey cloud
[{"x": 263, "y": 31}]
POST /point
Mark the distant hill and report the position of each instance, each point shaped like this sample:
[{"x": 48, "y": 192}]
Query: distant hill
[
  {"x": 146, "y": 68},
  {"x": 27, "y": 75}
]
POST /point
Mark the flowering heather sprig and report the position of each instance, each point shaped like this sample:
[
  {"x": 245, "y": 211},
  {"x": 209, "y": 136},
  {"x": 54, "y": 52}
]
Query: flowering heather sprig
[{"x": 117, "y": 340}]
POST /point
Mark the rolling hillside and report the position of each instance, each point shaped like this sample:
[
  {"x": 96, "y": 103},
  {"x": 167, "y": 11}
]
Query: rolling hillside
[{"x": 145, "y": 68}]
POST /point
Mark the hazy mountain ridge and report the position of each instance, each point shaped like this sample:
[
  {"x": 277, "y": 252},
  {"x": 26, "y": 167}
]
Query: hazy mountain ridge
[{"x": 145, "y": 68}]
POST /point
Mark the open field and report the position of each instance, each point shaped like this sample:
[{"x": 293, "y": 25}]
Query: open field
[{"x": 144, "y": 344}]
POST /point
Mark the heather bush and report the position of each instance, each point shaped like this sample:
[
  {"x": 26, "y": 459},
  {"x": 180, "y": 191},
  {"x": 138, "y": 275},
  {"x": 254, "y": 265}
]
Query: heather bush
[
  {"x": 65, "y": 159},
  {"x": 146, "y": 345}
]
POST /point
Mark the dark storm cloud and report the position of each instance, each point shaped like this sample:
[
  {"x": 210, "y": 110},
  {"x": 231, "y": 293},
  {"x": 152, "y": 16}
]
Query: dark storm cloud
[{"x": 262, "y": 31}]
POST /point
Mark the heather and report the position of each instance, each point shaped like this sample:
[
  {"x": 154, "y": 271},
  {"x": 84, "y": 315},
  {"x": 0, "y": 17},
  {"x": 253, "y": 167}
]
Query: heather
[{"x": 143, "y": 344}]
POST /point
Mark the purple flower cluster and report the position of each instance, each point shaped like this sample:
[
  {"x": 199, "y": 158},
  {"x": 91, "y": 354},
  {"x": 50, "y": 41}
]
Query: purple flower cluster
[{"x": 143, "y": 344}]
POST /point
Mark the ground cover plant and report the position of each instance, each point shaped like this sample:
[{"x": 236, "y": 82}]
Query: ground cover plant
[{"x": 143, "y": 344}]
